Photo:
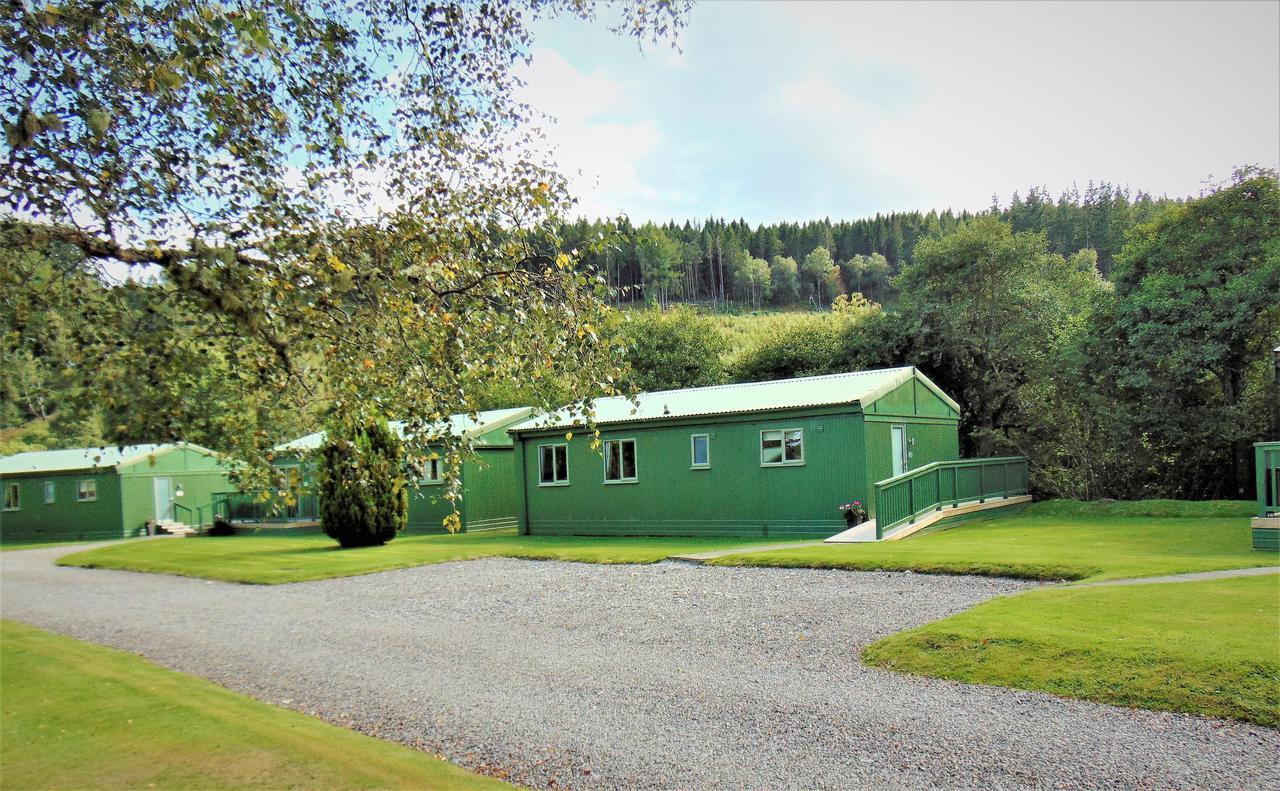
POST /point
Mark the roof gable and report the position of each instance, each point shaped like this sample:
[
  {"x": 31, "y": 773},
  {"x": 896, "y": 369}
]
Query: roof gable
[{"x": 854, "y": 387}]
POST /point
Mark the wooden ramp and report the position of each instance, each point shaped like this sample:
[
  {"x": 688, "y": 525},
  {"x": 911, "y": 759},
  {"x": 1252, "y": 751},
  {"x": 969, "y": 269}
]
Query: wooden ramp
[{"x": 866, "y": 531}]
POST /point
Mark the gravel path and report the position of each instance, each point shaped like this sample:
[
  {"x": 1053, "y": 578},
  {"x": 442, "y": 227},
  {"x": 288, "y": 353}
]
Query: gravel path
[{"x": 664, "y": 676}]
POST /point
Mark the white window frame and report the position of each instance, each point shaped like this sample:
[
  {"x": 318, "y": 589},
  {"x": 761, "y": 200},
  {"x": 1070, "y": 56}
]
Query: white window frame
[
  {"x": 693, "y": 453},
  {"x": 785, "y": 461},
  {"x": 16, "y": 488},
  {"x": 93, "y": 497},
  {"x": 604, "y": 469},
  {"x": 434, "y": 465},
  {"x": 554, "y": 481},
  {"x": 50, "y": 493}
]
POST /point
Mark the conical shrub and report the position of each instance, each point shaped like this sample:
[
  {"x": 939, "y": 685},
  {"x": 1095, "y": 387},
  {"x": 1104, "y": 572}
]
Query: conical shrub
[{"x": 364, "y": 498}]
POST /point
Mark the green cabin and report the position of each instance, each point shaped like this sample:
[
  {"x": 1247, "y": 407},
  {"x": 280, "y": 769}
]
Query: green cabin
[
  {"x": 104, "y": 493},
  {"x": 758, "y": 459},
  {"x": 489, "y": 495}
]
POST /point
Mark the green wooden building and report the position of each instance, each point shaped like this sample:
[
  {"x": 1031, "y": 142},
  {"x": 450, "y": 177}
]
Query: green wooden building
[
  {"x": 1266, "y": 523},
  {"x": 760, "y": 459},
  {"x": 489, "y": 494},
  {"x": 102, "y": 493}
]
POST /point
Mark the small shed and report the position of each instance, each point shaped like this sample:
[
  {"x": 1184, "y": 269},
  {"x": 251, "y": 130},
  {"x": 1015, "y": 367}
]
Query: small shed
[
  {"x": 488, "y": 475},
  {"x": 757, "y": 459},
  {"x": 102, "y": 493}
]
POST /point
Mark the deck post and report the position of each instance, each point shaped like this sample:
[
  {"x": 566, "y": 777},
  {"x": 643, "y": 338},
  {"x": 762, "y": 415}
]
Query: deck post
[{"x": 911, "y": 499}]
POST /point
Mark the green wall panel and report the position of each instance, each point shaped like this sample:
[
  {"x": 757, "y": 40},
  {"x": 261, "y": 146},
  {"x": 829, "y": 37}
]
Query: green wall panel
[
  {"x": 488, "y": 495},
  {"x": 736, "y": 496},
  {"x": 65, "y": 519},
  {"x": 928, "y": 440},
  {"x": 490, "y": 489},
  {"x": 198, "y": 489}
]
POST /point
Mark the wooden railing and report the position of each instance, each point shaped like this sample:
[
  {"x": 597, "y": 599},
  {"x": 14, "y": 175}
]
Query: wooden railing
[
  {"x": 903, "y": 499},
  {"x": 1267, "y": 461}
]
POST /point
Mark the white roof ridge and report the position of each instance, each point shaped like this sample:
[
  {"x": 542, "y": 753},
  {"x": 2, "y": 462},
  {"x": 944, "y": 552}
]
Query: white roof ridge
[
  {"x": 834, "y": 389},
  {"x": 791, "y": 380}
]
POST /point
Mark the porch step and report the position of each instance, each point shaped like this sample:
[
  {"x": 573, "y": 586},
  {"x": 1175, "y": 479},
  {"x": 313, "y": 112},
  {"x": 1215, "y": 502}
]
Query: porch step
[{"x": 176, "y": 528}]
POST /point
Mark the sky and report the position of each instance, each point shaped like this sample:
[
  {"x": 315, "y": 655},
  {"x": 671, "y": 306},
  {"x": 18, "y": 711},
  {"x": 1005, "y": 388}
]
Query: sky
[{"x": 795, "y": 111}]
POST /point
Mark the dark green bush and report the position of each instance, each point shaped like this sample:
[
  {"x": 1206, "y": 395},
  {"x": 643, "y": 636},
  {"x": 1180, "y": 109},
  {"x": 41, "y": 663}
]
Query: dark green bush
[
  {"x": 807, "y": 347},
  {"x": 672, "y": 349},
  {"x": 364, "y": 498}
]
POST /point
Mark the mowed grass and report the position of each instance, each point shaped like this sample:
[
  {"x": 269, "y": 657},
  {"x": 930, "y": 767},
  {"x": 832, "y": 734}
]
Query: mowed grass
[
  {"x": 1210, "y": 648},
  {"x": 272, "y": 560},
  {"x": 1054, "y": 541},
  {"x": 76, "y": 715}
]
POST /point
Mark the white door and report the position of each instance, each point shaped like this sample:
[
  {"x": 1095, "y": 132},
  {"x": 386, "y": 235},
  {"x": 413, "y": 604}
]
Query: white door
[
  {"x": 164, "y": 499},
  {"x": 898, "y": 449}
]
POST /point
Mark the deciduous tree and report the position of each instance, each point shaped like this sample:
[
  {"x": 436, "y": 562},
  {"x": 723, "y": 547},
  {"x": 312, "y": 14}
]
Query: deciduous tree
[{"x": 349, "y": 188}]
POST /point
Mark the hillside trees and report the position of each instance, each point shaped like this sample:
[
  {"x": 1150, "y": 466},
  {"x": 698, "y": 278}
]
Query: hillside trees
[
  {"x": 970, "y": 305},
  {"x": 661, "y": 259},
  {"x": 816, "y": 267},
  {"x": 1196, "y": 316},
  {"x": 360, "y": 205},
  {"x": 752, "y": 279},
  {"x": 785, "y": 277},
  {"x": 868, "y": 275},
  {"x": 880, "y": 246}
]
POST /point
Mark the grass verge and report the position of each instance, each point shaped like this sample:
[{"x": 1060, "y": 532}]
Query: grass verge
[
  {"x": 1054, "y": 542},
  {"x": 77, "y": 715},
  {"x": 272, "y": 560},
  {"x": 1174, "y": 509},
  {"x": 1210, "y": 648},
  {"x": 46, "y": 544}
]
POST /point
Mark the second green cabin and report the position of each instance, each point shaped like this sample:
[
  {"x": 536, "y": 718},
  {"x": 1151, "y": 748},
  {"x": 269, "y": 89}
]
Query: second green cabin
[
  {"x": 488, "y": 481},
  {"x": 759, "y": 459}
]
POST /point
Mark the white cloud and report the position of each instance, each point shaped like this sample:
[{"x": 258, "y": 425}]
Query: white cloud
[
  {"x": 801, "y": 109},
  {"x": 1157, "y": 96},
  {"x": 601, "y": 155}
]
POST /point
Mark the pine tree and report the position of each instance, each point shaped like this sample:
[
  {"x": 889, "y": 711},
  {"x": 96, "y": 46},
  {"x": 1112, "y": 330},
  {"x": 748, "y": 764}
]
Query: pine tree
[{"x": 364, "y": 497}]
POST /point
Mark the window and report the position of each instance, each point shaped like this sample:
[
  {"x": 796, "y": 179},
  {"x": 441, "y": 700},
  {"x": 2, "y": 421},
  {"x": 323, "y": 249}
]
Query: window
[
  {"x": 11, "y": 502},
  {"x": 700, "y": 451},
  {"x": 431, "y": 472},
  {"x": 50, "y": 492},
  {"x": 780, "y": 447},
  {"x": 553, "y": 465},
  {"x": 87, "y": 491},
  {"x": 619, "y": 461}
]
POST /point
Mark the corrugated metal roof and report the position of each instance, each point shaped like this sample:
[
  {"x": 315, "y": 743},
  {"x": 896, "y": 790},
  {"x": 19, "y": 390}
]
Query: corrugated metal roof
[
  {"x": 462, "y": 425},
  {"x": 832, "y": 389},
  {"x": 85, "y": 458}
]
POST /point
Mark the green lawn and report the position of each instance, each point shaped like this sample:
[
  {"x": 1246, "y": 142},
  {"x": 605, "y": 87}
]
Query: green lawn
[
  {"x": 270, "y": 560},
  {"x": 1054, "y": 541},
  {"x": 1209, "y": 648},
  {"x": 76, "y": 715}
]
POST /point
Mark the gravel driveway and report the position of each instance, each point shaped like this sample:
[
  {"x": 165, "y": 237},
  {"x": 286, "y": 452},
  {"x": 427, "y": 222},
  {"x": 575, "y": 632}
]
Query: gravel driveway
[{"x": 664, "y": 676}]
